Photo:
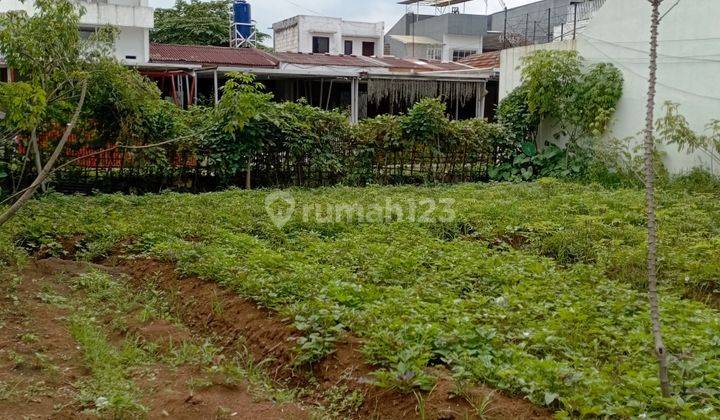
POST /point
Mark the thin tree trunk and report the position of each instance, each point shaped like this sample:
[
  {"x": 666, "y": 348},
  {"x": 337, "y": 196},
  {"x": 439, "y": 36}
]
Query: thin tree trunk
[
  {"x": 42, "y": 176},
  {"x": 660, "y": 349},
  {"x": 248, "y": 175},
  {"x": 38, "y": 158}
]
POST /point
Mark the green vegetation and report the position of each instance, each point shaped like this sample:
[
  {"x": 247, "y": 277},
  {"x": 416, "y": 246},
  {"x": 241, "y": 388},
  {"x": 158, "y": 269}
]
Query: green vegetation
[
  {"x": 196, "y": 23},
  {"x": 536, "y": 289}
]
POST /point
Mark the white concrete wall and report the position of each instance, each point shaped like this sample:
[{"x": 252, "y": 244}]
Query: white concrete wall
[
  {"x": 511, "y": 61},
  {"x": 459, "y": 42},
  {"x": 296, "y": 34},
  {"x": 133, "y": 17},
  {"x": 133, "y": 42},
  {"x": 287, "y": 39},
  {"x": 689, "y": 65}
]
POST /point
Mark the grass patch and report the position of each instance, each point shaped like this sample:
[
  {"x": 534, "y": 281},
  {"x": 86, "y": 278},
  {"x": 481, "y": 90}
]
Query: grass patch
[{"x": 109, "y": 391}]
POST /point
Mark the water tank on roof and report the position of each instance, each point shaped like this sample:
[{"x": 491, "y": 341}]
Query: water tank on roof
[{"x": 243, "y": 18}]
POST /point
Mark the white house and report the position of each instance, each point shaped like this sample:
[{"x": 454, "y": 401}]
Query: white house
[
  {"x": 134, "y": 18},
  {"x": 688, "y": 66},
  {"x": 327, "y": 35}
]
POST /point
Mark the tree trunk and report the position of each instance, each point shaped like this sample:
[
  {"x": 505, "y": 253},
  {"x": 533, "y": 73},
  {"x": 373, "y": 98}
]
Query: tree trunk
[
  {"x": 38, "y": 158},
  {"x": 248, "y": 175},
  {"x": 660, "y": 349},
  {"x": 45, "y": 172}
]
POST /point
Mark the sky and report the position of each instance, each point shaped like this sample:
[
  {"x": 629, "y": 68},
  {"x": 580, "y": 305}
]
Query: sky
[{"x": 267, "y": 12}]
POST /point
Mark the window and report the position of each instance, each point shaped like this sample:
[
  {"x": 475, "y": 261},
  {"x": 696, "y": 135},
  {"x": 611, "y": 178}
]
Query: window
[
  {"x": 460, "y": 54},
  {"x": 368, "y": 49},
  {"x": 321, "y": 45},
  {"x": 348, "y": 47},
  {"x": 434, "y": 53}
]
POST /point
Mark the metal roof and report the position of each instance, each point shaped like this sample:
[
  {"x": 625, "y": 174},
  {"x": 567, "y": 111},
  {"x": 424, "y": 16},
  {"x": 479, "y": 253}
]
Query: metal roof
[
  {"x": 327, "y": 60},
  {"x": 409, "y": 39},
  {"x": 488, "y": 60},
  {"x": 207, "y": 55}
]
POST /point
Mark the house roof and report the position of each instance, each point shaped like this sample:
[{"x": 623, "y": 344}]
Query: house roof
[
  {"x": 447, "y": 66},
  {"x": 419, "y": 64},
  {"x": 488, "y": 60},
  {"x": 327, "y": 60},
  {"x": 207, "y": 55},
  {"x": 409, "y": 39}
]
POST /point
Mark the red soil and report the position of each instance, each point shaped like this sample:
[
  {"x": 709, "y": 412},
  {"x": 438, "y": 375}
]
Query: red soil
[{"x": 266, "y": 336}]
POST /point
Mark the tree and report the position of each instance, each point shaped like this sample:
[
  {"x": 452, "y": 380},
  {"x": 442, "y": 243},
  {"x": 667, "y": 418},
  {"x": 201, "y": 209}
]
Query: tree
[
  {"x": 194, "y": 23},
  {"x": 54, "y": 76},
  {"x": 197, "y": 23},
  {"x": 649, "y": 149},
  {"x": 229, "y": 147}
]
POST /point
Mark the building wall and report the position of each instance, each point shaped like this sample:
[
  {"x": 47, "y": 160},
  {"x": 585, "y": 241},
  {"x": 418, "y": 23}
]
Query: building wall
[
  {"x": 688, "y": 66},
  {"x": 287, "y": 39},
  {"x": 460, "y": 42},
  {"x": 533, "y": 12},
  {"x": 511, "y": 61},
  {"x": 455, "y": 31},
  {"x": 133, "y": 42},
  {"x": 296, "y": 34},
  {"x": 133, "y": 17}
]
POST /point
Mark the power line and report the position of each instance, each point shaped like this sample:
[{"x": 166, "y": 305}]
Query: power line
[
  {"x": 303, "y": 7},
  {"x": 642, "y": 76},
  {"x": 691, "y": 58}
]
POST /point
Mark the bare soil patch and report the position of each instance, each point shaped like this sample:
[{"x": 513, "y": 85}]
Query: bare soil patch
[
  {"x": 41, "y": 363},
  {"x": 269, "y": 338}
]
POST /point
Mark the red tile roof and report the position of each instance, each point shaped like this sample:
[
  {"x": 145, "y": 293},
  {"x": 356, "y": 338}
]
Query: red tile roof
[
  {"x": 327, "y": 60},
  {"x": 488, "y": 60},
  {"x": 210, "y": 56}
]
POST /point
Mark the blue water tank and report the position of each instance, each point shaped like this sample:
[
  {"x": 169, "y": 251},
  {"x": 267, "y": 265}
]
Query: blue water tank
[{"x": 243, "y": 16}]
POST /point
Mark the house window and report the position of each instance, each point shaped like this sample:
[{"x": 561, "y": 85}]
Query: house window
[
  {"x": 348, "y": 47},
  {"x": 460, "y": 54},
  {"x": 321, "y": 45},
  {"x": 368, "y": 49},
  {"x": 434, "y": 53}
]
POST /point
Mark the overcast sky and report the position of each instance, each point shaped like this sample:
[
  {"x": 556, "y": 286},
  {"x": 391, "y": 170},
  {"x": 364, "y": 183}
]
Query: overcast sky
[{"x": 266, "y": 12}]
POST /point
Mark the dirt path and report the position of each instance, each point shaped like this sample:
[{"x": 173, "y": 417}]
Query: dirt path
[{"x": 43, "y": 369}]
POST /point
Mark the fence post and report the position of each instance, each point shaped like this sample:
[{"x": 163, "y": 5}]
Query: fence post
[
  {"x": 575, "y": 21},
  {"x": 527, "y": 26},
  {"x": 549, "y": 32},
  {"x": 505, "y": 29},
  {"x": 534, "y": 31}
]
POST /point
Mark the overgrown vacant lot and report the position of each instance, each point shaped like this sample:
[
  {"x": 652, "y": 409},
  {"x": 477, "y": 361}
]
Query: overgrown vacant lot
[{"x": 533, "y": 289}]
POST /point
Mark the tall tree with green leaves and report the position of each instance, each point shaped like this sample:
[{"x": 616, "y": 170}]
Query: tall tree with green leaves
[
  {"x": 196, "y": 23},
  {"x": 649, "y": 149},
  {"x": 53, "y": 76}
]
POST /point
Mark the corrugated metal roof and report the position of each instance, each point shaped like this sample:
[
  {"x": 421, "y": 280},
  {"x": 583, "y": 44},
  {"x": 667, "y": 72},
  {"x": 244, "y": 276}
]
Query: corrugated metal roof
[
  {"x": 488, "y": 60},
  {"x": 420, "y": 40},
  {"x": 327, "y": 60},
  {"x": 449, "y": 66},
  {"x": 419, "y": 64},
  {"x": 207, "y": 55}
]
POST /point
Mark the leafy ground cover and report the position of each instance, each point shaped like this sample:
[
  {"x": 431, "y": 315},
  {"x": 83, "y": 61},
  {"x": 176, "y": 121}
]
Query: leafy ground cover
[{"x": 536, "y": 289}]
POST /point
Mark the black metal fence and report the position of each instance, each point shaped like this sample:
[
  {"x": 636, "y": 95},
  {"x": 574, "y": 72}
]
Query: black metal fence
[{"x": 545, "y": 25}]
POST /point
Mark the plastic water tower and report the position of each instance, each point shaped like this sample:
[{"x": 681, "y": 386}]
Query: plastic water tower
[{"x": 242, "y": 33}]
